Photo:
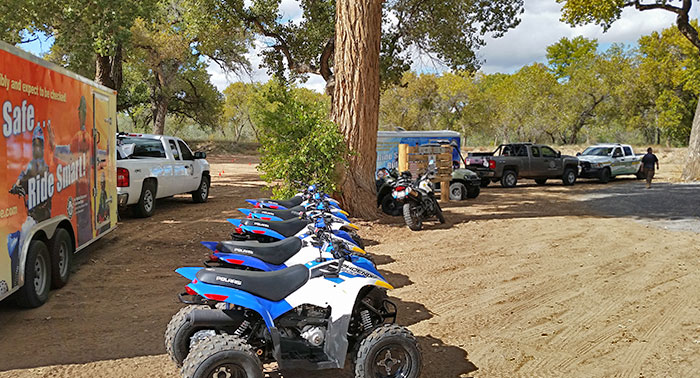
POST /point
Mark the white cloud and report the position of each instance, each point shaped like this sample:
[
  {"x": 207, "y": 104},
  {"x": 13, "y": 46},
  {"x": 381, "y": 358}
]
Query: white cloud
[
  {"x": 541, "y": 27},
  {"x": 526, "y": 44}
]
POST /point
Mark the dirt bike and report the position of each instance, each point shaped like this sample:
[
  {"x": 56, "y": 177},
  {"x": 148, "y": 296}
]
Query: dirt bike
[{"x": 418, "y": 198}]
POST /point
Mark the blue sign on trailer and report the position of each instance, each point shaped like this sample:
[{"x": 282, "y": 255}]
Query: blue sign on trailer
[{"x": 388, "y": 144}]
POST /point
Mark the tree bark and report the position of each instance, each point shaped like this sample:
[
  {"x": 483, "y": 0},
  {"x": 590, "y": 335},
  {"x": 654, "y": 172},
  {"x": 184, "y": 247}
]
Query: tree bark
[
  {"x": 691, "y": 171},
  {"x": 108, "y": 69},
  {"x": 161, "y": 110},
  {"x": 356, "y": 99}
]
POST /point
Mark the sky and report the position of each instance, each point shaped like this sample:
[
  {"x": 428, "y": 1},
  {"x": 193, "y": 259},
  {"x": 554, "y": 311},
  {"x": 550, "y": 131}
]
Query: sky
[{"x": 524, "y": 45}]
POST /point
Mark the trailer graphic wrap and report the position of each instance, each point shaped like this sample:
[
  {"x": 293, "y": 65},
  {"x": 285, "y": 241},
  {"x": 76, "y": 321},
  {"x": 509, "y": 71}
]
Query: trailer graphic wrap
[{"x": 54, "y": 149}]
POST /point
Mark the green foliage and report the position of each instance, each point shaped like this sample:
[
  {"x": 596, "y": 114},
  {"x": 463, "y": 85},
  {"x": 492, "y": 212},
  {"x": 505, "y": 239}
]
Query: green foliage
[
  {"x": 297, "y": 140},
  {"x": 601, "y": 12}
]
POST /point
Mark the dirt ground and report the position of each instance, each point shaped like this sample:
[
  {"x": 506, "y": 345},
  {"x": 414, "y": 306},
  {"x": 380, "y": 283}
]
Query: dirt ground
[{"x": 592, "y": 280}]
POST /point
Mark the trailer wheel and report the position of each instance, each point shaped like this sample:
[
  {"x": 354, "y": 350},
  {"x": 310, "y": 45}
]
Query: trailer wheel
[
  {"x": 61, "y": 257},
  {"x": 37, "y": 276},
  {"x": 147, "y": 201}
]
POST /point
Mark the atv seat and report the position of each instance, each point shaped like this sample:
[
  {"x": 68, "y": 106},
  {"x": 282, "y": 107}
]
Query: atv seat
[
  {"x": 294, "y": 201},
  {"x": 273, "y": 286},
  {"x": 274, "y": 253},
  {"x": 286, "y": 228},
  {"x": 284, "y": 214}
]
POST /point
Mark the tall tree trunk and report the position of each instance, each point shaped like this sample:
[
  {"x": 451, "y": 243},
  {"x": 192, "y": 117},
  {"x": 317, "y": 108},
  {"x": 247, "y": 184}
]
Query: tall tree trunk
[
  {"x": 356, "y": 99},
  {"x": 161, "y": 110},
  {"x": 108, "y": 69},
  {"x": 691, "y": 171}
]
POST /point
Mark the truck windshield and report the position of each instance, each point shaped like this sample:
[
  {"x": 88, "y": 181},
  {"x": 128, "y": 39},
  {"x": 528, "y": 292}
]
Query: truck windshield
[
  {"x": 144, "y": 147},
  {"x": 597, "y": 151}
]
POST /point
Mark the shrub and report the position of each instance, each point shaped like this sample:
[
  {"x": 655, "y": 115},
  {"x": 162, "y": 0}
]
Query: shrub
[{"x": 298, "y": 142}]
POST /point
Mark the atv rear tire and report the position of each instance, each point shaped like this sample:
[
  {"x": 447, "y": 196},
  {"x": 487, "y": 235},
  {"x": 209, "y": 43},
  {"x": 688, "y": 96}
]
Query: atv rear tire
[
  {"x": 178, "y": 334},
  {"x": 412, "y": 221},
  {"x": 388, "y": 351},
  {"x": 222, "y": 355}
]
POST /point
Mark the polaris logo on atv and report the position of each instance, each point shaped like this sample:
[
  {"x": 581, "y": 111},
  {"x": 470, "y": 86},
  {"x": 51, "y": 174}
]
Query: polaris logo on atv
[
  {"x": 229, "y": 280},
  {"x": 244, "y": 251},
  {"x": 261, "y": 224}
]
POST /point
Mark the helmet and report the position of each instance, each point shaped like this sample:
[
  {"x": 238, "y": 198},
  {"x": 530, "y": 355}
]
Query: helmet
[{"x": 38, "y": 134}]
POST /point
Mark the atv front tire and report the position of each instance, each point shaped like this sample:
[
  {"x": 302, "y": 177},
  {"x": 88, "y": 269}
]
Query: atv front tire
[
  {"x": 222, "y": 356},
  {"x": 388, "y": 351}
]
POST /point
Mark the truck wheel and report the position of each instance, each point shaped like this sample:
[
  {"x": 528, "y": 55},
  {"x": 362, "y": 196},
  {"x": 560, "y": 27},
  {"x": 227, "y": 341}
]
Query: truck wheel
[
  {"x": 147, "y": 202},
  {"x": 390, "y": 206},
  {"x": 409, "y": 216},
  {"x": 541, "y": 181},
  {"x": 222, "y": 356},
  {"x": 509, "y": 179},
  {"x": 485, "y": 182},
  {"x": 61, "y": 257},
  {"x": 473, "y": 191},
  {"x": 605, "y": 175},
  {"x": 178, "y": 334},
  {"x": 388, "y": 351},
  {"x": 458, "y": 191},
  {"x": 569, "y": 177},
  {"x": 37, "y": 276},
  {"x": 202, "y": 193}
]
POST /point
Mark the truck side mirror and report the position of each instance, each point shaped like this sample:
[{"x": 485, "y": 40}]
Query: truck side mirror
[{"x": 200, "y": 155}]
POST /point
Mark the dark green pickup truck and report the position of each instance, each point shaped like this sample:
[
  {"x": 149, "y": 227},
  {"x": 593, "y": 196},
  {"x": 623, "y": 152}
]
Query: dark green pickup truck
[{"x": 510, "y": 162}]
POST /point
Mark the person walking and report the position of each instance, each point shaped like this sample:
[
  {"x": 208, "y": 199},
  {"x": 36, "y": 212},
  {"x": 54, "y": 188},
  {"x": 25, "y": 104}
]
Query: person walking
[{"x": 648, "y": 162}]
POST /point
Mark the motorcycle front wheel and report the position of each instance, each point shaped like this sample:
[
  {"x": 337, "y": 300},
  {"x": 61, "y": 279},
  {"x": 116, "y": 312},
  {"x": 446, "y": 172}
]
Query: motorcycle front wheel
[{"x": 411, "y": 217}]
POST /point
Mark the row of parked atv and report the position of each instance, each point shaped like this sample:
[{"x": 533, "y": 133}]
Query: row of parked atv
[{"x": 295, "y": 287}]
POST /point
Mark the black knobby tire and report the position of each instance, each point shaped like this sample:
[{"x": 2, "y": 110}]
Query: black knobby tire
[
  {"x": 485, "y": 182},
  {"x": 509, "y": 179},
  {"x": 605, "y": 176},
  {"x": 473, "y": 191},
  {"x": 569, "y": 177},
  {"x": 374, "y": 356},
  {"x": 458, "y": 191},
  {"x": 413, "y": 222},
  {"x": 37, "y": 276},
  {"x": 178, "y": 334},
  {"x": 201, "y": 195},
  {"x": 357, "y": 239},
  {"x": 390, "y": 206},
  {"x": 147, "y": 201},
  {"x": 61, "y": 257},
  {"x": 221, "y": 352},
  {"x": 541, "y": 181},
  {"x": 438, "y": 212}
]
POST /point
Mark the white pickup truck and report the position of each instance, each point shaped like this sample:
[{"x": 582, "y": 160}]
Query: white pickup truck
[
  {"x": 605, "y": 161},
  {"x": 156, "y": 166}
]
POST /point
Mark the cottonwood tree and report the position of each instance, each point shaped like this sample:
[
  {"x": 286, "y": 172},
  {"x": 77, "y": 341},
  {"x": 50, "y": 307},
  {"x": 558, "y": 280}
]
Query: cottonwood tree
[{"x": 605, "y": 13}]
